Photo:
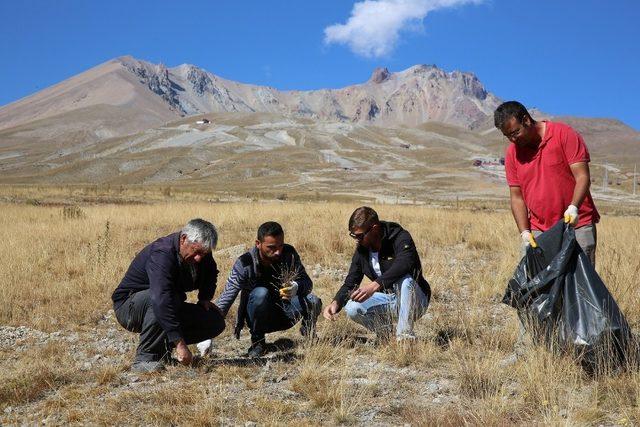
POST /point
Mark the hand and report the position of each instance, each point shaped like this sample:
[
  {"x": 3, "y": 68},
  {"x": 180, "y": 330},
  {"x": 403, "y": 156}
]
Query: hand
[
  {"x": 364, "y": 292},
  {"x": 207, "y": 305},
  {"x": 571, "y": 215},
  {"x": 331, "y": 311},
  {"x": 527, "y": 238},
  {"x": 289, "y": 292},
  {"x": 183, "y": 354}
]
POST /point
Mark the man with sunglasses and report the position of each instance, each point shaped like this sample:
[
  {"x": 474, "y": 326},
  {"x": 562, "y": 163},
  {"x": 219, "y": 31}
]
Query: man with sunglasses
[
  {"x": 387, "y": 255},
  {"x": 547, "y": 168}
]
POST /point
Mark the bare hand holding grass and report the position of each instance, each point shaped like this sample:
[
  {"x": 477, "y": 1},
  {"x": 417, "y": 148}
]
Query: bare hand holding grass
[{"x": 331, "y": 311}]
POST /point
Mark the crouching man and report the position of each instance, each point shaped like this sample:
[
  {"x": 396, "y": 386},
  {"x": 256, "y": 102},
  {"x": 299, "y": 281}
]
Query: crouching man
[
  {"x": 275, "y": 290},
  {"x": 387, "y": 255},
  {"x": 150, "y": 299}
]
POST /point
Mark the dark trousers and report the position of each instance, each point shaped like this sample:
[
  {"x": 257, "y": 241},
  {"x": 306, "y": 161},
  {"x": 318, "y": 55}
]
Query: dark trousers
[
  {"x": 267, "y": 312},
  {"x": 136, "y": 315}
]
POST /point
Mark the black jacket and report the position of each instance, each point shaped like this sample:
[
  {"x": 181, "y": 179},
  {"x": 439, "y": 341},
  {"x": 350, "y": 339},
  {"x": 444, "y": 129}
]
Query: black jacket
[
  {"x": 398, "y": 257},
  {"x": 158, "y": 268},
  {"x": 248, "y": 274}
]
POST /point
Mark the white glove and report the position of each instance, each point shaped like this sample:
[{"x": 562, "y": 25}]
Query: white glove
[
  {"x": 204, "y": 347},
  {"x": 290, "y": 291},
  {"x": 571, "y": 215},
  {"x": 527, "y": 239}
]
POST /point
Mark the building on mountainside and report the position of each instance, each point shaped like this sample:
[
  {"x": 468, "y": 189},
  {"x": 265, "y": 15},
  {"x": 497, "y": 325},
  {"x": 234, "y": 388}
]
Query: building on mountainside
[
  {"x": 482, "y": 161},
  {"x": 203, "y": 122}
]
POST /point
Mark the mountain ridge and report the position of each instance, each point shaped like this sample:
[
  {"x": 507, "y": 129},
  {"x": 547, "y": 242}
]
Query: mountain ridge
[{"x": 409, "y": 97}]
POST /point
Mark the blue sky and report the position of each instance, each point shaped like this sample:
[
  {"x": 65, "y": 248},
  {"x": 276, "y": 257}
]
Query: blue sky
[{"x": 564, "y": 57}]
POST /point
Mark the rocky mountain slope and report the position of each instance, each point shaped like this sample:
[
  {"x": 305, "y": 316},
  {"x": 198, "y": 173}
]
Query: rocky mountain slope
[
  {"x": 264, "y": 153},
  {"x": 149, "y": 95},
  {"x": 411, "y": 133}
]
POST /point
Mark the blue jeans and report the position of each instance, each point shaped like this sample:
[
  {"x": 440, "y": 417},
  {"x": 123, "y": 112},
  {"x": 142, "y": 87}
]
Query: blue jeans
[
  {"x": 377, "y": 313},
  {"x": 267, "y": 312}
]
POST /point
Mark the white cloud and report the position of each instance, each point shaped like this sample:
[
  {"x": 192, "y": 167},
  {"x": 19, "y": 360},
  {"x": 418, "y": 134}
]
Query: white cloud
[{"x": 374, "y": 27}]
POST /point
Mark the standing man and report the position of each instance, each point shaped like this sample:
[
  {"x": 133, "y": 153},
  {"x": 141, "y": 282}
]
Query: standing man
[
  {"x": 150, "y": 299},
  {"x": 547, "y": 167},
  {"x": 388, "y": 257},
  {"x": 275, "y": 290}
]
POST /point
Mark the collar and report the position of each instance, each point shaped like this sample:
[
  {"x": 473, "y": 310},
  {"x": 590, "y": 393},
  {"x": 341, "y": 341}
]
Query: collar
[
  {"x": 548, "y": 133},
  {"x": 255, "y": 256},
  {"x": 175, "y": 242}
]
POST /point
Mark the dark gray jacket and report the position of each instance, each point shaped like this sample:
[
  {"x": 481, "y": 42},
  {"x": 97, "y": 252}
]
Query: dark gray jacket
[
  {"x": 158, "y": 267},
  {"x": 398, "y": 257},
  {"x": 246, "y": 275}
]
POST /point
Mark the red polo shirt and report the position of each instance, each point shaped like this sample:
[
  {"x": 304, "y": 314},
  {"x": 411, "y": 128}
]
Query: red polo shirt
[{"x": 545, "y": 179}]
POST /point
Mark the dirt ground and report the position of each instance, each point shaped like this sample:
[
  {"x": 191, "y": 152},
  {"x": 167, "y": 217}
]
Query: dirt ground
[{"x": 64, "y": 359}]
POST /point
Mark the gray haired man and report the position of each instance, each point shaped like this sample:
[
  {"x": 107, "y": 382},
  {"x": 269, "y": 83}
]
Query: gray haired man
[{"x": 151, "y": 298}]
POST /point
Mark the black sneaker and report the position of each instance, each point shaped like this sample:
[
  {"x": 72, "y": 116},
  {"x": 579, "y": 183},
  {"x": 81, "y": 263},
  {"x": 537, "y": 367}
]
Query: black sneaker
[
  {"x": 257, "y": 349},
  {"x": 145, "y": 367},
  {"x": 168, "y": 360}
]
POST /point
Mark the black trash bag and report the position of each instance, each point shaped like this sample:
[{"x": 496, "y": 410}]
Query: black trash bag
[{"x": 564, "y": 304}]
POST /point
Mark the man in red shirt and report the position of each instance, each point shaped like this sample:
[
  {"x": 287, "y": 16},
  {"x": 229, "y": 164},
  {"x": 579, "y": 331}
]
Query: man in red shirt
[{"x": 547, "y": 167}]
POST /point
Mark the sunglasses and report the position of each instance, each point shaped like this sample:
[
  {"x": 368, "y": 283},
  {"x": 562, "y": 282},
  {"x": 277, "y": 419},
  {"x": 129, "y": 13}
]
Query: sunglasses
[{"x": 361, "y": 236}]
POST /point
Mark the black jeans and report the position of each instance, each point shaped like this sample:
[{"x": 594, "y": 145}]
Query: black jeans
[
  {"x": 267, "y": 312},
  {"x": 136, "y": 315}
]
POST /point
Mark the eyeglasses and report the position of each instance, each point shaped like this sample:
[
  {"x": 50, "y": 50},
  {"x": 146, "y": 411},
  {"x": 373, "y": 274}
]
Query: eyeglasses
[
  {"x": 361, "y": 236},
  {"x": 514, "y": 134}
]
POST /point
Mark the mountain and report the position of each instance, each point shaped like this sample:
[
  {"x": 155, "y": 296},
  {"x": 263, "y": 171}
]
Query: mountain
[
  {"x": 267, "y": 154},
  {"x": 147, "y": 95},
  {"x": 609, "y": 140},
  {"x": 108, "y": 99},
  {"x": 413, "y": 133}
]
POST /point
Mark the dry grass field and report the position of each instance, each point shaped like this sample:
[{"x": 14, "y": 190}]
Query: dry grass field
[{"x": 65, "y": 360}]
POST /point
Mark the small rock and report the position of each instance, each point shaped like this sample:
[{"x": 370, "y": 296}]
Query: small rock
[
  {"x": 288, "y": 393},
  {"x": 369, "y": 415},
  {"x": 508, "y": 361},
  {"x": 433, "y": 388}
]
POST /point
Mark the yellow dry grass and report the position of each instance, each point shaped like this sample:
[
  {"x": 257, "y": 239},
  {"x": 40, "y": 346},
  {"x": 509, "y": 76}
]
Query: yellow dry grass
[{"x": 60, "y": 266}]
